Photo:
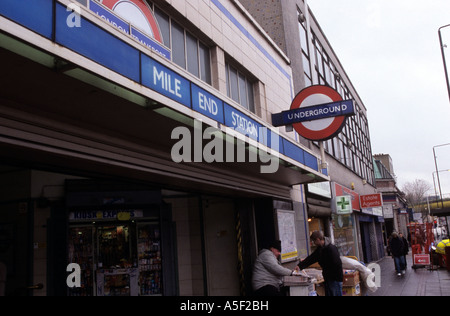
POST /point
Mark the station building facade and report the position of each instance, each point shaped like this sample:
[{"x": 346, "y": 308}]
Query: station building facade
[
  {"x": 297, "y": 32},
  {"x": 136, "y": 142}
]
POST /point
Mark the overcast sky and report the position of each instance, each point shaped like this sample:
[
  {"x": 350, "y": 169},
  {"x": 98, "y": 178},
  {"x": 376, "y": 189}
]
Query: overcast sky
[{"x": 390, "y": 50}]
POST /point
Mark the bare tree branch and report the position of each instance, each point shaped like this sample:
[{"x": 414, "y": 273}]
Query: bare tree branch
[{"x": 416, "y": 192}]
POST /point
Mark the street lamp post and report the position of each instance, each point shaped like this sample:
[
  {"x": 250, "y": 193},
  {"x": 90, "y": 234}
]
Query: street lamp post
[
  {"x": 434, "y": 183},
  {"x": 443, "y": 58},
  {"x": 439, "y": 181}
]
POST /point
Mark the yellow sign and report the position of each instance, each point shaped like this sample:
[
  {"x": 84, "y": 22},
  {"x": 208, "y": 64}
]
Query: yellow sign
[
  {"x": 290, "y": 255},
  {"x": 124, "y": 216}
]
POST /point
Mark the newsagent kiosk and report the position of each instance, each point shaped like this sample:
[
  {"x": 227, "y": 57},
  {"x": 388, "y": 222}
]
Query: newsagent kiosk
[{"x": 115, "y": 237}]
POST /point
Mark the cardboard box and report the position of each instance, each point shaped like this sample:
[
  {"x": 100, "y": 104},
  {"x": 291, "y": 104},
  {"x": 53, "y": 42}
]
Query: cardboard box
[
  {"x": 320, "y": 289},
  {"x": 351, "y": 290},
  {"x": 351, "y": 278}
]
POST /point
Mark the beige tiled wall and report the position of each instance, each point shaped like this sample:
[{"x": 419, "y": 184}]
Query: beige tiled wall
[{"x": 273, "y": 88}]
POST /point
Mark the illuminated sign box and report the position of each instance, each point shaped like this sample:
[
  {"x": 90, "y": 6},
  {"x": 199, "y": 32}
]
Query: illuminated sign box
[{"x": 318, "y": 112}]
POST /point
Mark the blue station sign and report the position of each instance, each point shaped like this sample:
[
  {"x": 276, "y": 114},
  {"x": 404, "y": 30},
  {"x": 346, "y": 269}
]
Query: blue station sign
[
  {"x": 317, "y": 112},
  {"x": 115, "y": 13}
]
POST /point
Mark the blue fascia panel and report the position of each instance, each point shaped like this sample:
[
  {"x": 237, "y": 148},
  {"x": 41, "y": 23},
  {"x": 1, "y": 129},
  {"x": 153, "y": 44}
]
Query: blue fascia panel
[
  {"x": 311, "y": 161},
  {"x": 165, "y": 81},
  {"x": 293, "y": 151},
  {"x": 98, "y": 45},
  {"x": 36, "y": 15}
]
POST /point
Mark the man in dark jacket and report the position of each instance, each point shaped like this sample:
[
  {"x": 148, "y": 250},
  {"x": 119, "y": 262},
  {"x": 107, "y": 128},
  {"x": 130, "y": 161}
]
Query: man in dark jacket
[
  {"x": 328, "y": 257},
  {"x": 405, "y": 248},
  {"x": 398, "y": 252}
]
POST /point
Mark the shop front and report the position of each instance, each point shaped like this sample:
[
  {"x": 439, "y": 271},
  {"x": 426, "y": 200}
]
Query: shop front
[
  {"x": 371, "y": 224},
  {"x": 372, "y": 237},
  {"x": 358, "y": 224},
  {"x": 318, "y": 197},
  {"x": 346, "y": 209},
  {"x": 116, "y": 240},
  {"x": 110, "y": 263}
]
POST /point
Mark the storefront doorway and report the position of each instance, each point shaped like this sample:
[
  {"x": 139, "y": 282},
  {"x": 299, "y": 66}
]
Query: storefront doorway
[
  {"x": 15, "y": 249},
  {"x": 365, "y": 240},
  {"x": 117, "y": 259},
  {"x": 116, "y": 236}
]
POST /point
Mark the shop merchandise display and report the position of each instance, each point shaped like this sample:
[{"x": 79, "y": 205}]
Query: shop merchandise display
[
  {"x": 149, "y": 251},
  {"x": 81, "y": 252},
  {"x": 117, "y": 259},
  {"x": 114, "y": 248}
]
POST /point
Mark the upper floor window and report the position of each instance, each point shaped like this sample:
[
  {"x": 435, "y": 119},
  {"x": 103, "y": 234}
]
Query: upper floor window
[
  {"x": 304, "y": 43},
  {"x": 240, "y": 88},
  {"x": 187, "y": 51},
  {"x": 83, "y": 2}
]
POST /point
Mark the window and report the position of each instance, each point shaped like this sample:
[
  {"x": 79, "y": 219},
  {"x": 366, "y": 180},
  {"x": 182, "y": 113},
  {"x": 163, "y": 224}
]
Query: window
[
  {"x": 178, "y": 45},
  {"x": 83, "y": 2},
  {"x": 192, "y": 55},
  {"x": 205, "y": 64},
  {"x": 240, "y": 88},
  {"x": 164, "y": 25},
  {"x": 303, "y": 38},
  {"x": 187, "y": 51},
  {"x": 352, "y": 147},
  {"x": 325, "y": 69},
  {"x": 304, "y": 43}
]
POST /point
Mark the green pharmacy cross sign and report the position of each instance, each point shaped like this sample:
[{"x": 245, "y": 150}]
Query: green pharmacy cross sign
[{"x": 343, "y": 204}]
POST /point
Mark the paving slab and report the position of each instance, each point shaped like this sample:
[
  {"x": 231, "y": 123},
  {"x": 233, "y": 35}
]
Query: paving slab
[{"x": 419, "y": 282}]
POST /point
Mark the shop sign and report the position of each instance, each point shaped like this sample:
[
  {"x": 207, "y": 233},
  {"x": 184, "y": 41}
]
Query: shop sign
[
  {"x": 170, "y": 84},
  {"x": 422, "y": 260},
  {"x": 344, "y": 204},
  {"x": 165, "y": 81},
  {"x": 388, "y": 211},
  {"x": 134, "y": 18},
  {"x": 320, "y": 188},
  {"x": 286, "y": 228},
  {"x": 371, "y": 200},
  {"x": 242, "y": 123},
  {"x": 317, "y": 113},
  {"x": 403, "y": 211},
  {"x": 207, "y": 104},
  {"x": 375, "y": 211},
  {"x": 340, "y": 190},
  {"x": 122, "y": 215}
]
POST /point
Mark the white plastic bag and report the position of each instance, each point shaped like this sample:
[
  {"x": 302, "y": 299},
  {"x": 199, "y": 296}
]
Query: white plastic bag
[{"x": 366, "y": 274}]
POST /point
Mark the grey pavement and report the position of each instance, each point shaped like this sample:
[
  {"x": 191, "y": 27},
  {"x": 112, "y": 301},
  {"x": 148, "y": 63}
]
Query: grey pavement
[{"x": 419, "y": 282}]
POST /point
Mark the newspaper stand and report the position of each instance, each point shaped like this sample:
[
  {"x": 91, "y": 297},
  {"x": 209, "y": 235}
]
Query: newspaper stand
[{"x": 421, "y": 240}]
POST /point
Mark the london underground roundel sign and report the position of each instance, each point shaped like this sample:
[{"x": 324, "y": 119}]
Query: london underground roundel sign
[
  {"x": 321, "y": 111},
  {"x": 137, "y": 12}
]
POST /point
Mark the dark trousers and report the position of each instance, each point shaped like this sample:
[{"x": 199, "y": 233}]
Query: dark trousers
[
  {"x": 400, "y": 263},
  {"x": 268, "y": 290},
  {"x": 333, "y": 288}
]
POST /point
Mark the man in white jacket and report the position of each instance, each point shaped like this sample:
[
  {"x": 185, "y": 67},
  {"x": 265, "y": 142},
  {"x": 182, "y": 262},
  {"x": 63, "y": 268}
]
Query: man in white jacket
[{"x": 268, "y": 272}]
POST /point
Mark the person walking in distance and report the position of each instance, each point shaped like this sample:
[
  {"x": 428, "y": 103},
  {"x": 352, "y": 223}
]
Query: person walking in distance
[
  {"x": 405, "y": 248},
  {"x": 398, "y": 253}
]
